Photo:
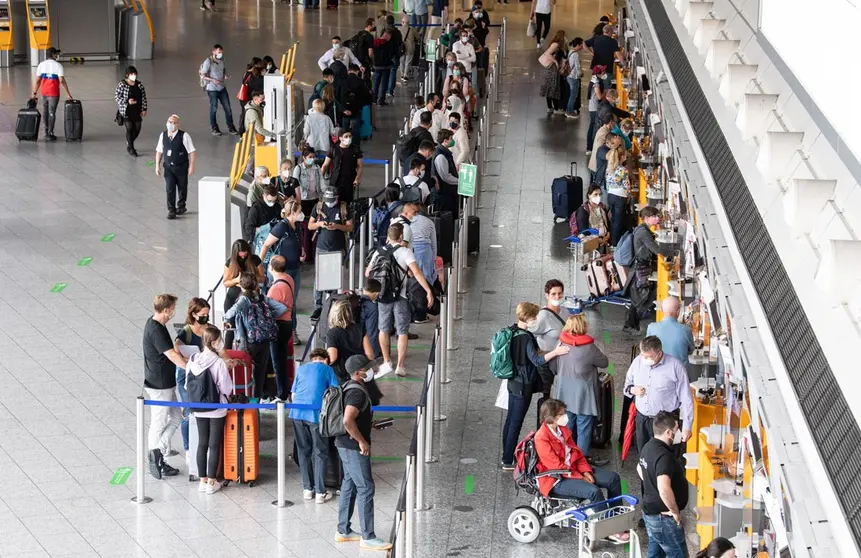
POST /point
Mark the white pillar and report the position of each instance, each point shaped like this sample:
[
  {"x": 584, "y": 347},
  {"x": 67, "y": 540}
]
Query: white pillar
[
  {"x": 718, "y": 56},
  {"x": 213, "y": 205},
  {"x": 695, "y": 14},
  {"x": 706, "y": 32},
  {"x": 804, "y": 199},
  {"x": 775, "y": 153},
  {"x": 752, "y": 113},
  {"x": 681, "y": 7}
]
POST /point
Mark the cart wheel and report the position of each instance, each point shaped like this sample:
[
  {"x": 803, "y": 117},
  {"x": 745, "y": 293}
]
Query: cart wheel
[
  {"x": 524, "y": 524},
  {"x": 225, "y": 483},
  {"x": 251, "y": 484}
]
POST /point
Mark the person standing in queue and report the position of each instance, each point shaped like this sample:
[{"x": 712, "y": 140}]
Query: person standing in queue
[
  {"x": 283, "y": 290},
  {"x": 190, "y": 335},
  {"x": 343, "y": 165},
  {"x": 175, "y": 153},
  {"x": 665, "y": 489},
  {"x": 130, "y": 96},
  {"x": 445, "y": 171},
  {"x": 49, "y": 76},
  {"x": 333, "y": 222},
  {"x": 285, "y": 239},
  {"x": 311, "y": 187}
]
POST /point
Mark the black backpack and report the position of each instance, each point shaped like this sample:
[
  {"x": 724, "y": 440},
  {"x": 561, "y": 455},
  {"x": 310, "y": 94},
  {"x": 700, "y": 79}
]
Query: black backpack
[
  {"x": 332, "y": 409},
  {"x": 388, "y": 272},
  {"x": 355, "y": 46},
  {"x": 407, "y": 145},
  {"x": 201, "y": 388},
  {"x": 410, "y": 193}
]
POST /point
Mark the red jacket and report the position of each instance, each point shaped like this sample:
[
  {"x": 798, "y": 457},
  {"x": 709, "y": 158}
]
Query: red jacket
[{"x": 551, "y": 455}]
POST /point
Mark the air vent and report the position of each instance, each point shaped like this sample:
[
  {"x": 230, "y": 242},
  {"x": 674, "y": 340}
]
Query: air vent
[{"x": 829, "y": 418}]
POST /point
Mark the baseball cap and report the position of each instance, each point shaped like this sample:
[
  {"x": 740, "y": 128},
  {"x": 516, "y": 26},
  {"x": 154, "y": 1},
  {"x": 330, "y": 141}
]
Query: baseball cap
[
  {"x": 360, "y": 362},
  {"x": 54, "y": 52},
  {"x": 330, "y": 195}
]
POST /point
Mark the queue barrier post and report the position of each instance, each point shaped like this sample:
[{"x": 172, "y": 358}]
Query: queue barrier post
[
  {"x": 433, "y": 372},
  {"x": 363, "y": 245},
  {"x": 140, "y": 495},
  {"x": 461, "y": 284},
  {"x": 411, "y": 504},
  {"x": 448, "y": 328},
  {"x": 387, "y": 173},
  {"x": 441, "y": 358},
  {"x": 351, "y": 268},
  {"x": 420, "y": 455},
  {"x": 455, "y": 275},
  {"x": 401, "y": 535},
  {"x": 280, "y": 421},
  {"x": 395, "y": 162}
]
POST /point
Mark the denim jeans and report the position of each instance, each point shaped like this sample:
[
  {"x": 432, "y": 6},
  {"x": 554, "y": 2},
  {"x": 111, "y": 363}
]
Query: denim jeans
[
  {"x": 183, "y": 396},
  {"x": 49, "y": 108},
  {"x": 585, "y": 490},
  {"x": 617, "y": 206},
  {"x": 573, "y": 94},
  {"x": 422, "y": 20},
  {"x": 309, "y": 444},
  {"x": 518, "y": 406},
  {"x": 393, "y": 74},
  {"x": 590, "y": 134},
  {"x": 381, "y": 82},
  {"x": 358, "y": 485},
  {"x": 581, "y": 427},
  {"x": 294, "y": 273},
  {"x": 222, "y": 97},
  {"x": 666, "y": 537}
]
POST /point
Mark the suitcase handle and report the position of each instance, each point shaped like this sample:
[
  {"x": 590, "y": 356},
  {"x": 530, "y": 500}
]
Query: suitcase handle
[{"x": 573, "y": 168}]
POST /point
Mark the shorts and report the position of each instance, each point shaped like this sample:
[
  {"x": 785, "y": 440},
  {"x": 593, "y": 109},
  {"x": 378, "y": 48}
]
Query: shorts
[{"x": 398, "y": 310}]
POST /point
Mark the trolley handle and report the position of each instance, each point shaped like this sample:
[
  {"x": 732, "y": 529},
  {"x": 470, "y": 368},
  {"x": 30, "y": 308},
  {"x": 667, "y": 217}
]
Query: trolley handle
[
  {"x": 580, "y": 515},
  {"x": 577, "y": 239}
]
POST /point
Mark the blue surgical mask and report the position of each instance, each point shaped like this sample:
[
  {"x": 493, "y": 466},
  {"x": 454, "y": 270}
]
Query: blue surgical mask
[{"x": 309, "y": 161}]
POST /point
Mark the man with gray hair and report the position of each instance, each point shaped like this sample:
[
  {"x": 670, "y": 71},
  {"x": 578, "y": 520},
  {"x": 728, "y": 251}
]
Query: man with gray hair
[
  {"x": 337, "y": 52},
  {"x": 255, "y": 190},
  {"x": 675, "y": 337},
  {"x": 175, "y": 153},
  {"x": 659, "y": 382}
]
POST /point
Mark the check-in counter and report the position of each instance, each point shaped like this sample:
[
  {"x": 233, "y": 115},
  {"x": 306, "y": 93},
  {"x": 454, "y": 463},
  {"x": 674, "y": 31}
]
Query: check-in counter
[
  {"x": 7, "y": 50},
  {"x": 39, "y": 21}
]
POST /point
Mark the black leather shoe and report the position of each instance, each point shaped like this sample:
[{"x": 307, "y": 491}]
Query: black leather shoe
[
  {"x": 181, "y": 211},
  {"x": 171, "y": 214},
  {"x": 167, "y": 470}
]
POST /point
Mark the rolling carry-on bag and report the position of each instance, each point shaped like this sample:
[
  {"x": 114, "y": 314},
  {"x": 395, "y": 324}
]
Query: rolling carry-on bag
[
  {"x": 73, "y": 113},
  {"x": 604, "y": 421},
  {"x": 444, "y": 223},
  {"x": 473, "y": 234},
  {"x": 242, "y": 446},
  {"x": 334, "y": 474},
  {"x": 243, "y": 373},
  {"x": 367, "y": 129},
  {"x": 598, "y": 276},
  {"x": 567, "y": 194},
  {"x": 28, "y": 122}
]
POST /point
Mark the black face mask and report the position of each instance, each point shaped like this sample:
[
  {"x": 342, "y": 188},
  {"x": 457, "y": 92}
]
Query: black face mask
[{"x": 203, "y": 320}]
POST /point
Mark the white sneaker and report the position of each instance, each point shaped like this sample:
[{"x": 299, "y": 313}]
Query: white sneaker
[
  {"x": 322, "y": 498},
  {"x": 202, "y": 486},
  {"x": 588, "y": 152},
  {"x": 401, "y": 371},
  {"x": 307, "y": 494},
  {"x": 213, "y": 488}
]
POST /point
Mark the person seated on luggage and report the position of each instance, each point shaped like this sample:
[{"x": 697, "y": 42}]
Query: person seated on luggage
[
  {"x": 718, "y": 548},
  {"x": 526, "y": 358},
  {"x": 577, "y": 382},
  {"x": 210, "y": 424},
  {"x": 344, "y": 166},
  {"x": 676, "y": 338},
  {"x": 618, "y": 186},
  {"x": 415, "y": 172},
  {"x": 556, "y": 450},
  {"x": 604, "y": 128},
  {"x": 312, "y": 451},
  {"x": 593, "y": 214},
  {"x": 255, "y": 189},
  {"x": 242, "y": 260},
  {"x": 369, "y": 314},
  {"x": 646, "y": 250},
  {"x": 344, "y": 338},
  {"x": 445, "y": 171},
  {"x": 548, "y": 325},
  {"x": 262, "y": 212},
  {"x": 288, "y": 186}
]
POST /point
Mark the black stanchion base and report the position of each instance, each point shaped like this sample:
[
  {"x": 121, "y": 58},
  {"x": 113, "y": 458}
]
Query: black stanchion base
[{"x": 287, "y": 504}]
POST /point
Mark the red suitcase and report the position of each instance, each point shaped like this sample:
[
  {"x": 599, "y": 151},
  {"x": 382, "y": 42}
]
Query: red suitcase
[{"x": 243, "y": 374}]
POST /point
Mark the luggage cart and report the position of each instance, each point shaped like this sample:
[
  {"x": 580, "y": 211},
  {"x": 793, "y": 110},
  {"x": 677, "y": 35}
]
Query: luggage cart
[
  {"x": 573, "y": 303},
  {"x": 593, "y": 525}
]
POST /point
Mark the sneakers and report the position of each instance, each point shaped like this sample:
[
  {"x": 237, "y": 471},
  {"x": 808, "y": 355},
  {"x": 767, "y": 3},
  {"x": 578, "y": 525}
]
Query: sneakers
[
  {"x": 322, "y": 498},
  {"x": 421, "y": 321},
  {"x": 375, "y": 544},
  {"x": 233, "y": 131},
  {"x": 171, "y": 214},
  {"x": 167, "y": 470},
  {"x": 597, "y": 462},
  {"x": 296, "y": 340},
  {"x": 213, "y": 488},
  {"x": 572, "y": 115},
  {"x": 216, "y": 132},
  {"x": 307, "y": 494},
  {"x": 50, "y": 137},
  {"x": 401, "y": 372},
  {"x": 507, "y": 466},
  {"x": 315, "y": 315},
  {"x": 202, "y": 486},
  {"x": 181, "y": 211},
  {"x": 154, "y": 461},
  {"x": 588, "y": 152},
  {"x": 349, "y": 537}
]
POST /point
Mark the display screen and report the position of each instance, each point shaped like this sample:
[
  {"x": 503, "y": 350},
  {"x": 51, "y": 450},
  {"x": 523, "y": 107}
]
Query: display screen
[
  {"x": 4, "y": 13},
  {"x": 826, "y": 74},
  {"x": 38, "y": 13}
]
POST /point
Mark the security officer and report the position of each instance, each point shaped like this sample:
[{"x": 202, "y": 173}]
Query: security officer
[{"x": 175, "y": 151}]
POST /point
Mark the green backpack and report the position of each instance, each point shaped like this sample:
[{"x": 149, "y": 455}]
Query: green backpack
[{"x": 501, "y": 364}]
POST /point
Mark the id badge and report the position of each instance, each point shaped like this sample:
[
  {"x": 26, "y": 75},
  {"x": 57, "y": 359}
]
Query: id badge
[{"x": 169, "y": 152}]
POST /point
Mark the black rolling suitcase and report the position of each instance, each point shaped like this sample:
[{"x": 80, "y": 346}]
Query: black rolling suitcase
[
  {"x": 334, "y": 474},
  {"x": 604, "y": 421},
  {"x": 473, "y": 234},
  {"x": 28, "y": 122},
  {"x": 74, "y": 120},
  {"x": 444, "y": 223},
  {"x": 567, "y": 194}
]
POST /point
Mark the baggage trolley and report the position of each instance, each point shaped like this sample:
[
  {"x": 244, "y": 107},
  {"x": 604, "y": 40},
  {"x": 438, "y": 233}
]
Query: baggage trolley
[
  {"x": 580, "y": 259},
  {"x": 593, "y": 525}
]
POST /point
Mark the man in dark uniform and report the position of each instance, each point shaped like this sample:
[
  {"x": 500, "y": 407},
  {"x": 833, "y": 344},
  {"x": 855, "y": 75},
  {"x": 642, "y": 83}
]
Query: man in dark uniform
[{"x": 175, "y": 152}]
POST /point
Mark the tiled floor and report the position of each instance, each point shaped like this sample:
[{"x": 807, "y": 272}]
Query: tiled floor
[{"x": 70, "y": 361}]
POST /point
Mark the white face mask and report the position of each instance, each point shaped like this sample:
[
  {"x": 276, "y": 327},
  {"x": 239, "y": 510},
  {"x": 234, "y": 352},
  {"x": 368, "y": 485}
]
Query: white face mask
[
  {"x": 265, "y": 180},
  {"x": 649, "y": 361},
  {"x": 556, "y": 303},
  {"x": 369, "y": 375},
  {"x": 596, "y": 199},
  {"x": 330, "y": 204},
  {"x": 562, "y": 421},
  {"x": 300, "y": 217},
  {"x": 335, "y": 46},
  {"x": 133, "y": 77},
  {"x": 171, "y": 127},
  {"x": 285, "y": 174},
  {"x": 269, "y": 203},
  {"x": 347, "y": 141}
]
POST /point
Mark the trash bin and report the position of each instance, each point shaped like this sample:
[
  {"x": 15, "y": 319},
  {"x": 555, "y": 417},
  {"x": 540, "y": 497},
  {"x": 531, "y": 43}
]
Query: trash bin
[{"x": 139, "y": 45}]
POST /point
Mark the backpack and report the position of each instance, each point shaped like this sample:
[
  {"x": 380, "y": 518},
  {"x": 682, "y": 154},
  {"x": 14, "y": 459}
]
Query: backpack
[
  {"x": 572, "y": 221},
  {"x": 259, "y": 323},
  {"x": 332, "y": 409},
  {"x": 407, "y": 145},
  {"x": 526, "y": 465},
  {"x": 205, "y": 74},
  {"x": 201, "y": 388},
  {"x": 328, "y": 302},
  {"x": 260, "y": 237},
  {"x": 410, "y": 192},
  {"x": 383, "y": 218},
  {"x": 355, "y": 46},
  {"x": 388, "y": 272},
  {"x": 624, "y": 254},
  {"x": 501, "y": 364}
]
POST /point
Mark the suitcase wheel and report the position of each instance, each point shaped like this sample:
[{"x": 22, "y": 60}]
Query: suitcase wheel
[
  {"x": 225, "y": 483},
  {"x": 251, "y": 484}
]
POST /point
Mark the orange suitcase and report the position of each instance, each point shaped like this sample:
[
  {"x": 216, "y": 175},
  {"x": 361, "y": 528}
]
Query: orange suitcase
[{"x": 242, "y": 446}]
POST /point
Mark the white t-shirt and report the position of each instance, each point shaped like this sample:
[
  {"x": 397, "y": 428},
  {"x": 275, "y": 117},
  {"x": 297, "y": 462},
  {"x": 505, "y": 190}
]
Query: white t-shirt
[
  {"x": 542, "y": 6},
  {"x": 404, "y": 257},
  {"x": 186, "y": 142},
  {"x": 409, "y": 180}
]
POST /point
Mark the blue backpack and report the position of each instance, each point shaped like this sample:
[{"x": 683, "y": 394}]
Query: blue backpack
[
  {"x": 382, "y": 218},
  {"x": 259, "y": 323},
  {"x": 624, "y": 254},
  {"x": 260, "y": 237}
]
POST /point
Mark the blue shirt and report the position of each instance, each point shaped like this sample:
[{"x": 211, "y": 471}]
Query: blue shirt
[
  {"x": 667, "y": 387},
  {"x": 370, "y": 324},
  {"x": 676, "y": 338},
  {"x": 312, "y": 381}
]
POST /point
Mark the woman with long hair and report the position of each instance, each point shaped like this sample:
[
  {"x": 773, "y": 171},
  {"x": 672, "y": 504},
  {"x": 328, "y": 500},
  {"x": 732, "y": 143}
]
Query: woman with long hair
[
  {"x": 130, "y": 96},
  {"x": 344, "y": 338},
  {"x": 242, "y": 260},
  {"x": 191, "y": 334},
  {"x": 287, "y": 237},
  {"x": 551, "y": 85},
  {"x": 618, "y": 186},
  {"x": 718, "y": 548}
]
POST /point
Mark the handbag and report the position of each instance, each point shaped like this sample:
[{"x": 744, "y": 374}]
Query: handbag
[
  {"x": 119, "y": 119},
  {"x": 243, "y": 90},
  {"x": 531, "y": 28}
]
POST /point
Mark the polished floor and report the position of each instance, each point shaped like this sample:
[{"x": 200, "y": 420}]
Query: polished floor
[{"x": 84, "y": 245}]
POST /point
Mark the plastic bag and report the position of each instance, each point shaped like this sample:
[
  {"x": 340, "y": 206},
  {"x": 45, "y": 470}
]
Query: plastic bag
[
  {"x": 502, "y": 395},
  {"x": 530, "y": 28}
]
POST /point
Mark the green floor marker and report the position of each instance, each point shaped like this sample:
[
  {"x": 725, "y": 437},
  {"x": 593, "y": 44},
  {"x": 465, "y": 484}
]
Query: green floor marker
[
  {"x": 58, "y": 288},
  {"x": 150, "y": 163},
  {"x": 616, "y": 405},
  {"x": 469, "y": 484},
  {"x": 108, "y": 237},
  {"x": 606, "y": 337},
  {"x": 624, "y": 486},
  {"x": 83, "y": 262},
  {"x": 121, "y": 476},
  {"x": 386, "y": 458},
  {"x": 611, "y": 369}
]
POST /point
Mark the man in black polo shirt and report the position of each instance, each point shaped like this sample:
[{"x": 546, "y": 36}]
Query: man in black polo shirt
[
  {"x": 665, "y": 490},
  {"x": 333, "y": 223}
]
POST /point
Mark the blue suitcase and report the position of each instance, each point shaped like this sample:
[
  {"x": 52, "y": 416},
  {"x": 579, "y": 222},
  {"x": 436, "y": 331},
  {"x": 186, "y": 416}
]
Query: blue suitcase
[
  {"x": 367, "y": 129},
  {"x": 567, "y": 194}
]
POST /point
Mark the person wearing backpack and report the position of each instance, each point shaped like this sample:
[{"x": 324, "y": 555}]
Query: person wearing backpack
[
  {"x": 413, "y": 188},
  {"x": 382, "y": 217},
  {"x": 209, "y": 368},
  {"x": 344, "y": 165},
  {"x": 262, "y": 212},
  {"x": 526, "y": 357},
  {"x": 409, "y": 144},
  {"x": 255, "y": 327},
  {"x": 333, "y": 222},
  {"x": 389, "y": 265},
  {"x": 646, "y": 250},
  {"x": 285, "y": 240},
  {"x": 354, "y": 449}
]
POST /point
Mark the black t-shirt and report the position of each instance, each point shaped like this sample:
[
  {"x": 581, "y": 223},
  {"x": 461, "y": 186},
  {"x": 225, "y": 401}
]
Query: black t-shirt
[
  {"x": 604, "y": 49},
  {"x": 287, "y": 186},
  {"x": 291, "y": 244},
  {"x": 331, "y": 241},
  {"x": 347, "y": 159},
  {"x": 658, "y": 459},
  {"x": 159, "y": 371},
  {"x": 366, "y": 41},
  {"x": 359, "y": 399},
  {"x": 133, "y": 112},
  {"x": 348, "y": 342}
]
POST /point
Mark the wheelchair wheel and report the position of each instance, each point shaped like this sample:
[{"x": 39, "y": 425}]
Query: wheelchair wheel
[{"x": 524, "y": 524}]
